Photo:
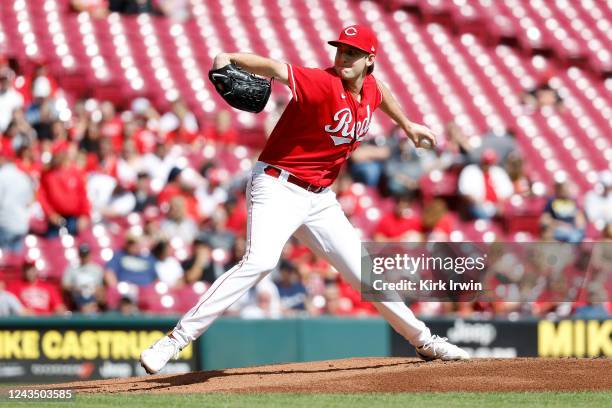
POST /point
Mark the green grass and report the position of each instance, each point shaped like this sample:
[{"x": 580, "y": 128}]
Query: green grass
[{"x": 429, "y": 400}]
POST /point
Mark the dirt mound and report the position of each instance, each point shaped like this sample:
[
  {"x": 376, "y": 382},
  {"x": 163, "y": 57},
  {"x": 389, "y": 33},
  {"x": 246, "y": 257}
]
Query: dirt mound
[{"x": 375, "y": 375}]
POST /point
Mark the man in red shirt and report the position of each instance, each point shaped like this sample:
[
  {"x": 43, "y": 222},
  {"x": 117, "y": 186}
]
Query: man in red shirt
[
  {"x": 289, "y": 191},
  {"x": 63, "y": 194},
  {"x": 402, "y": 224},
  {"x": 38, "y": 297},
  {"x": 223, "y": 133}
]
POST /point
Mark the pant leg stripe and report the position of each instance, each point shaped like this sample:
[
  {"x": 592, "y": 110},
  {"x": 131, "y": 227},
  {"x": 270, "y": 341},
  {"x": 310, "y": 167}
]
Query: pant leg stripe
[{"x": 244, "y": 258}]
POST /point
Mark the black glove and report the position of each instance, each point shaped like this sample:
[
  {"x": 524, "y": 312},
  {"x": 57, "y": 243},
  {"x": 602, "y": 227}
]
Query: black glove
[{"x": 241, "y": 89}]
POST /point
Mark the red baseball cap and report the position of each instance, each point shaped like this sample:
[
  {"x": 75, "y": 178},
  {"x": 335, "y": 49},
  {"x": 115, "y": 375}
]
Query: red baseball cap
[
  {"x": 358, "y": 36},
  {"x": 489, "y": 156}
]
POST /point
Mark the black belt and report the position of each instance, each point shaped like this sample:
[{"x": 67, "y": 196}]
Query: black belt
[{"x": 275, "y": 172}]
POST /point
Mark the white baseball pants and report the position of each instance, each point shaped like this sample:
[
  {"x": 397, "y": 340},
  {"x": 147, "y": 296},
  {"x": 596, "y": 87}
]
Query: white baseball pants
[{"x": 278, "y": 209}]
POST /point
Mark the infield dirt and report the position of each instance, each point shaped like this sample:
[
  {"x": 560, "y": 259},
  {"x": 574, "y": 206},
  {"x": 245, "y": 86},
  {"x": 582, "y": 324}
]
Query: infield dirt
[{"x": 373, "y": 375}]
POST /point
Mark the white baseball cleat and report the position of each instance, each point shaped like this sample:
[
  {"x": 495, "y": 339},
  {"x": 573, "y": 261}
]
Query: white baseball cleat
[
  {"x": 158, "y": 354},
  {"x": 439, "y": 348}
]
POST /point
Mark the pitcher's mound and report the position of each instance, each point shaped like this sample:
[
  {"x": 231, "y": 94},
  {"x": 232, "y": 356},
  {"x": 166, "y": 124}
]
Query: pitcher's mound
[{"x": 375, "y": 375}]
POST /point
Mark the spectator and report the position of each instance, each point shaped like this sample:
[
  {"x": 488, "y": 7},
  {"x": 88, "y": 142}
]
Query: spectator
[
  {"x": 177, "y": 224},
  {"x": 63, "y": 195},
  {"x": 16, "y": 196},
  {"x": 263, "y": 301},
  {"x": 134, "y": 6},
  {"x": 100, "y": 189},
  {"x": 236, "y": 210},
  {"x": 128, "y": 307},
  {"x": 236, "y": 252},
  {"x": 212, "y": 194},
  {"x": 168, "y": 268},
  {"x": 598, "y": 202},
  {"x": 334, "y": 303},
  {"x": 143, "y": 195},
  {"x": 438, "y": 223},
  {"x": 485, "y": 187},
  {"x": 59, "y": 134},
  {"x": 516, "y": 172},
  {"x": 348, "y": 199},
  {"x": 562, "y": 219},
  {"x": 91, "y": 142},
  {"x": 111, "y": 125},
  {"x": 84, "y": 282},
  {"x": 182, "y": 183},
  {"x": 17, "y": 138},
  {"x": 457, "y": 152},
  {"x": 218, "y": 234},
  {"x": 358, "y": 305},
  {"x": 142, "y": 129},
  {"x": 9, "y": 304},
  {"x": 151, "y": 232},
  {"x": 602, "y": 253},
  {"x": 200, "y": 266},
  {"x": 128, "y": 164},
  {"x": 368, "y": 162},
  {"x": 80, "y": 118},
  {"x": 44, "y": 85},
  {"x": 130, "y": 265},
  {"x": 97, "y": 8},
  {"x": 10, "y": 99},
  {"x": 596, "y": 306},
  {"x": 290, "y": 289},
  {"x": 402, "y": 224},
  {"x": 502, "y": 141},
  {"x": 223, "y": 133},
  {"x": 120, "y": 204},
  {"x": 179, "y": 125},
  {"x": 42, "y": 112},
  {"x": 37, "y": 296},
  {"x": 177, "y": 10},
  {"x": 406, "y": 166},
  {"x": 27, "y": 160},
  {"x": 541, "y": 96},
  {"x": 159, "y": 164}
]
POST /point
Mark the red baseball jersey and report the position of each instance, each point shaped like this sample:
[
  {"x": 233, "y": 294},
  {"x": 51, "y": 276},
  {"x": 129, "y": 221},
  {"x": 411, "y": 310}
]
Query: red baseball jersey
[{"x": 322, "y": 124}]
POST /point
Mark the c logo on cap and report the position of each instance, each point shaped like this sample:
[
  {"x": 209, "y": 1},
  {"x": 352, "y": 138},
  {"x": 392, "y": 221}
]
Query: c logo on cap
[{"x": 351, "y": 31}]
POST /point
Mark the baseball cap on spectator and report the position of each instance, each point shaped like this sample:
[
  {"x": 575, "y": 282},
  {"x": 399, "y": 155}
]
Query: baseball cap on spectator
[
  {"x": 358, "y": 36},
  {"x": 27, "y": 264},
  {"x": 489, "y": 156},
  {"x": 173, "y": 174},
  {"x": 84, "y": 250}
]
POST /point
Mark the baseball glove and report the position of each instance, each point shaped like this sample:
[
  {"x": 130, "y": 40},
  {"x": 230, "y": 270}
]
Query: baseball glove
[{"x": 241, "y": 89}]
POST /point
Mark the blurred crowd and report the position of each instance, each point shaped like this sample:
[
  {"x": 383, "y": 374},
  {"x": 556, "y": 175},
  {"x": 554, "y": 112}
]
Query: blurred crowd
[
  {"x": 177, "y": 10},
  {"x": 170, "y": 189}
]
